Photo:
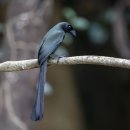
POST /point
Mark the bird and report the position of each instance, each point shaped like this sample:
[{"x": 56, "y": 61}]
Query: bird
[{"x": 49, "y": 44}]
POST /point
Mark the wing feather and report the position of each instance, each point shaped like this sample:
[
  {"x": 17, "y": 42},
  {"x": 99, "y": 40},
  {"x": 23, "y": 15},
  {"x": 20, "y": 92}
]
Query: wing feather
[{"x": 49, "y": 45}]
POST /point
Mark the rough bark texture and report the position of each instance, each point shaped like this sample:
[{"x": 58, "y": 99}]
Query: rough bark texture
[{"x": 9, "y": 66}]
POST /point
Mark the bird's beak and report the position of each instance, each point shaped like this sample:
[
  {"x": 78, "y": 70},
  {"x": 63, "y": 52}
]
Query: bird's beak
[{"x": 73, "y": 33}]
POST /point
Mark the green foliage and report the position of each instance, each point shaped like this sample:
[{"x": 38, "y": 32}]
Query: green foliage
[
  {"x": 110, "y": 15},
  {"x": 80, "y": 23},
  {"x": 69, "y": 13},
  {"x": 95, "y": 31},
  {"x": 97, "y": 34}
]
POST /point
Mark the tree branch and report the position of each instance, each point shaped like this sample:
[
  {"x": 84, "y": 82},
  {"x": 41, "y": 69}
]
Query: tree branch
[{"x": 9, "y": 66}]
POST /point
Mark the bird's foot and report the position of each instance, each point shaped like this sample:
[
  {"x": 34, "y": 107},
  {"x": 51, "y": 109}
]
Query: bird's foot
[
  {"x": 58, "y": 59},
  {"x": 54, "y": 56}
]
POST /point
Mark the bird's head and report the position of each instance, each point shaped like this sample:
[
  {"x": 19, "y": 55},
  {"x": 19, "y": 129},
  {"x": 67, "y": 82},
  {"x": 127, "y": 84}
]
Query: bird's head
[{"x": 68, "y": 28}]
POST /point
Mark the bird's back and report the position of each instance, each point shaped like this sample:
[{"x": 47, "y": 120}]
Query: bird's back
[{"x": 50, "y": 42}]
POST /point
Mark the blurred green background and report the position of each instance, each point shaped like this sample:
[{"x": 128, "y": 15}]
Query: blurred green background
[{"x": 78, "y": 97}]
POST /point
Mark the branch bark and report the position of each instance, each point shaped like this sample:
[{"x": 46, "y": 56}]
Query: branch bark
[{"x": 9, "y": 66}]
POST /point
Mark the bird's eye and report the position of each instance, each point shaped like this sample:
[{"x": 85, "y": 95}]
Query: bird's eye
[{"x": 69, "y": 28}]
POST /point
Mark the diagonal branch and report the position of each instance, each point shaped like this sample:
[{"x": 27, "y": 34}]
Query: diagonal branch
[{"x": 9, "y": 66}]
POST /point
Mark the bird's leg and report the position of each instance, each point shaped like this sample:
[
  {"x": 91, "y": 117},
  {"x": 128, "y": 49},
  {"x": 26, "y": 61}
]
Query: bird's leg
[{"x": 54, "y": 56}]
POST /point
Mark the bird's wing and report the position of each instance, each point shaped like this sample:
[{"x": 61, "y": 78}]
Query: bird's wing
[{"x": 49, "y": 45}]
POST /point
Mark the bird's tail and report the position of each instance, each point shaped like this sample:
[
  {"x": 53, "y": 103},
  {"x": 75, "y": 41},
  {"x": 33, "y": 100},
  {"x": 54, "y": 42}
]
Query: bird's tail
[{"x": 37, "y": 112}]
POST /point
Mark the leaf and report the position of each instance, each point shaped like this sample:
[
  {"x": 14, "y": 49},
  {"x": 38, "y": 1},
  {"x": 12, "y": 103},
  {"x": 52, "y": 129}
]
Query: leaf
[
  {"x": 97, "y": 34},
  {"x": 80, "y": 23},
  {"x": 69, "y": 13}
]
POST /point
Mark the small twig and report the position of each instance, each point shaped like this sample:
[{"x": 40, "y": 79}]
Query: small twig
[{"x": 97, "y": 60}]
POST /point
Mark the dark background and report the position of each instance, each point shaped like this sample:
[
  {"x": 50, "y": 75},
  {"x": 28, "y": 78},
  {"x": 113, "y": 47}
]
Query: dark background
[{"x": 78, "y": 97}]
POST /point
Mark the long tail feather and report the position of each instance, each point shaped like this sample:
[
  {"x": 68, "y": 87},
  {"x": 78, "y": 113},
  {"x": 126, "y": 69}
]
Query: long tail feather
[{"x": 37, "y": 112}]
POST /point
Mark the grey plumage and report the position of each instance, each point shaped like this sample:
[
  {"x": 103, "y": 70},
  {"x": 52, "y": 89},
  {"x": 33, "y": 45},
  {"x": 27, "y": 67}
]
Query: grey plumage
[{"x": 50, "y": 42}]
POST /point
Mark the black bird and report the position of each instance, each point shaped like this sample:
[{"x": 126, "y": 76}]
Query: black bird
[{"x": 50, "y": 42}]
